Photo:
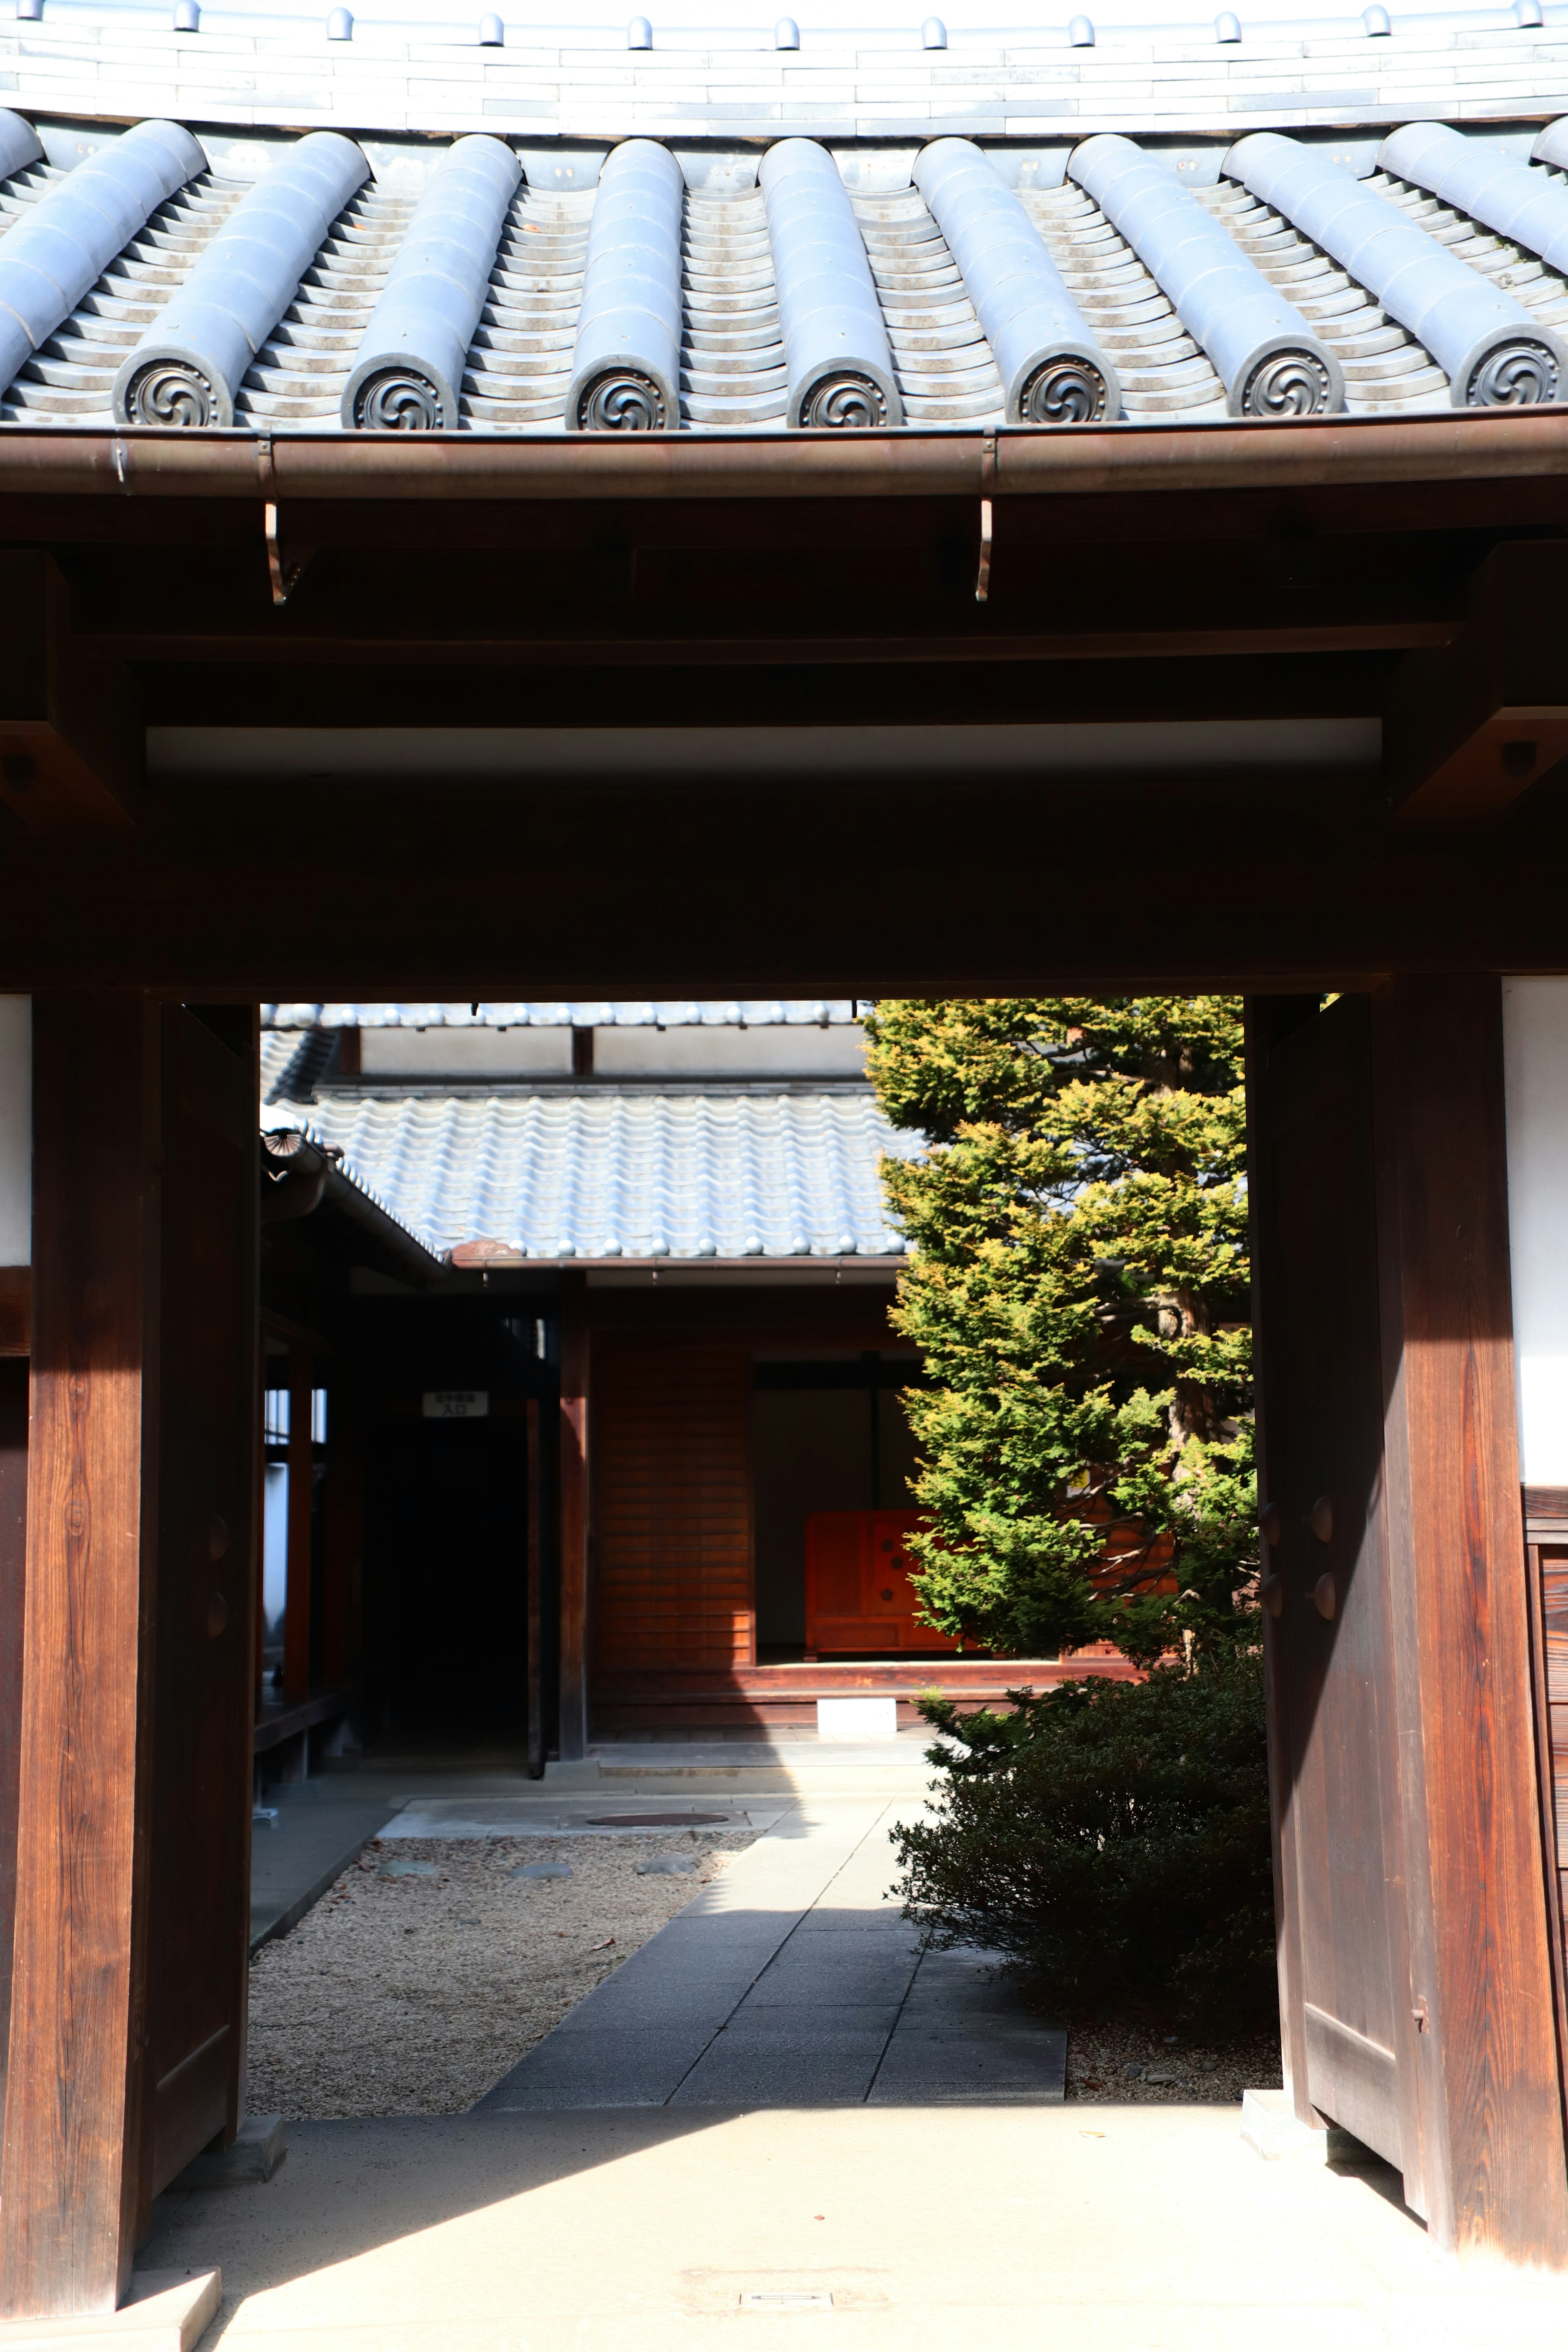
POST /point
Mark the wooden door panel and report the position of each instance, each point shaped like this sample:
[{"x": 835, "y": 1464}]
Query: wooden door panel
[
  {"x": 1353, "y": 2079},
  {"x": 201, "y": 1801},
  {"x": 1332, "y": 1641},
  {"x": 672, "y": 1506}
]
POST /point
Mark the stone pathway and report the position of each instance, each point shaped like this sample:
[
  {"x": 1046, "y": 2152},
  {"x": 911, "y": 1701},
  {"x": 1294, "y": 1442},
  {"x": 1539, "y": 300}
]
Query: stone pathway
[{"x": 793, "y": 1981}]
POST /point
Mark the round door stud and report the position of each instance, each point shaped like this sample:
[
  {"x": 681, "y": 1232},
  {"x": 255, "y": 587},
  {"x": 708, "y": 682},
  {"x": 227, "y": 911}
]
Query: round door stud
[
  {"x": 1322, "y": 1519},
  {"x": 1271, "y": 1592},
  {"x": 1268, "y": 1523},
  {"x": 1325, "y": 1597},
  {"x": 217, "y": 1613}
]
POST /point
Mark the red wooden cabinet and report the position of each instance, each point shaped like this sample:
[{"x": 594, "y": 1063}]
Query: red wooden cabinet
[{"x": 858, "y": 1591}]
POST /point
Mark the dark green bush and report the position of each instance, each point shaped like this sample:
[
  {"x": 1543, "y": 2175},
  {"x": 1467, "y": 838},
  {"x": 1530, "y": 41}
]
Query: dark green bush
[{"x": 1112, "y": 1838}]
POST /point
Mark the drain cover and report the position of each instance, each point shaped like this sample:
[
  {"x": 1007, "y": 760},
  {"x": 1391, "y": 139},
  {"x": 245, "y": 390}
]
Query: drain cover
[{"x": 657, "y": 1821}]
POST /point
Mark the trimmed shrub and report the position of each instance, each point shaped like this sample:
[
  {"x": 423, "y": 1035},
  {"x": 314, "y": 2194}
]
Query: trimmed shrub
[{"x": 1112, "y": 1839}]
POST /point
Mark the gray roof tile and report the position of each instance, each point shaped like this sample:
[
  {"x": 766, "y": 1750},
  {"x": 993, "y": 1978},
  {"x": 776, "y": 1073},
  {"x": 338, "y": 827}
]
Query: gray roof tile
[
  {"x": 638, "y": 1177},
  {"x": 395, "y": 86}
]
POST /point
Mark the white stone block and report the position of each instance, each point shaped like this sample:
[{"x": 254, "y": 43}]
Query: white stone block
[
  {"x": 166, "y": 2311},
  {"x": 857, "y": 1719}
]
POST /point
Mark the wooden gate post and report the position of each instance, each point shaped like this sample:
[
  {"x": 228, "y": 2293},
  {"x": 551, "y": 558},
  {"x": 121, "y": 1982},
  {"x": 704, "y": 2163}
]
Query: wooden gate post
[
  {"x": 1481, "y": 1960},
  {"x": 71, "y": 2179}
]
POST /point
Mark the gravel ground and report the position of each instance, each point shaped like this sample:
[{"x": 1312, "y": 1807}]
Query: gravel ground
[
  {"x": 412, "y": 1995},
  {"x": 1175, "y": 2072}
]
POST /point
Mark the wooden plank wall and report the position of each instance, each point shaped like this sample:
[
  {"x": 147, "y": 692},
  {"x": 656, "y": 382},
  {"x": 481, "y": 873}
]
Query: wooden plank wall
[{"x": 672, "y": 1505}]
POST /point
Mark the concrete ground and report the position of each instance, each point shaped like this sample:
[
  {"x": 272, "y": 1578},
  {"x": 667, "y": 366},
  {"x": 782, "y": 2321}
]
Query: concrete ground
[{"x": 1121, "y": 2230}]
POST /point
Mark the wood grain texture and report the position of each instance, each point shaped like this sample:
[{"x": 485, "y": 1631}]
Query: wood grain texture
[
  {"x": 71, "y": 2190},
  {"x": 1481, "y": 1960},
  {"x": 574, "y": 1506},
  {"x": 672, "y": 1506},
  {"x": 13, "y": 1599}
]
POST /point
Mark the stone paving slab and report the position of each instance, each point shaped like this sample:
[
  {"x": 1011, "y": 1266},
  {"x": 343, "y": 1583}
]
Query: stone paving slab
[{"x": 793, "y": 1980}]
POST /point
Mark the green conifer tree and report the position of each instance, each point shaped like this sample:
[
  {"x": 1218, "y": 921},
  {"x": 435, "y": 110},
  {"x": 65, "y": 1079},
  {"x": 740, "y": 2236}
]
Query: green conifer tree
[{"x": 1078, "y": 1292}]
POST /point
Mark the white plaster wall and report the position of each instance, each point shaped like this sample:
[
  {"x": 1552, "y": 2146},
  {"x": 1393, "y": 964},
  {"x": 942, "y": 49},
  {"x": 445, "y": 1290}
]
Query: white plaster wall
[
  {"x": 15, "y": 1130},
  {"x": 789, "y": 1050},
  {"x": 1535, "y": 1061},
  {"x": 465, "y": 1053}
]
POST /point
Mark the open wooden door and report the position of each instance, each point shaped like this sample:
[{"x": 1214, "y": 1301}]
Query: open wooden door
[
  {"x": 1329, "y": 1627},
  {"x": 1416, "y": 1992},
  {"x": 210, "y": 1421}
]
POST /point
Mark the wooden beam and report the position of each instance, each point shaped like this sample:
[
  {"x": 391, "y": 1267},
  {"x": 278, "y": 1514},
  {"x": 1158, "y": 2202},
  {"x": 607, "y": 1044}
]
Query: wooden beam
[
  {"x": 1479, "y": 1956},
  {"x": 71, "y": 741},
  {"x": 297, "y": 1606},
  {"x": 72, "y": 2121},
  {"x": 12, "y": 1597},
  {"x": 1468, "y": 729},
  {"x": 576, "y": 1486}
]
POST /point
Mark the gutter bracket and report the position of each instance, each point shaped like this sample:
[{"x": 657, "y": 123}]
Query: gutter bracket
[
  {"x": 987, "y": 486},
  {"x": 283, "y": 569}
]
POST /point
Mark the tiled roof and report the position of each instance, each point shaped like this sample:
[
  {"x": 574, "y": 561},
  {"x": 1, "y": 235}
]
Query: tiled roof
[
  {"x": 761, "y": 1013},
  {"x": 183, "y": 281},
  {"x": 621, "y": 1177}
]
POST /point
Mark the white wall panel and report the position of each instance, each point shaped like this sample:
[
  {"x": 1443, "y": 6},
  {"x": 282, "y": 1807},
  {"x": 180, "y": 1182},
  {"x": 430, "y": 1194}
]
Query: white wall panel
[
  {"x": 1535, "y": 1049},
  {"x": 15, "y": 1130}
]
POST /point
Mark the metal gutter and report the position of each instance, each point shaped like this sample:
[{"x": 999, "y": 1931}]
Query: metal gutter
[{"x": 1337, "y": 452}]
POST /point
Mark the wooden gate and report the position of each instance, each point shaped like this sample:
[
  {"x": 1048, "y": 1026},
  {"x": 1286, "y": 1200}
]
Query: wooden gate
[
  {"x": 1416, "y": 1989},
  {"x": 132, "y": 1756},
  {"x": 1327, "y": 1585}
]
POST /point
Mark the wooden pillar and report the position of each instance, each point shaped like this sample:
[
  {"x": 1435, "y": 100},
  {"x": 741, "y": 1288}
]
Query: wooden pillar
[
  {"x": 342, "y": 1548},
  {"x": 575, "y": 1356},
  {"x": 535, "y": 1571},
  {"x": 297, "y": 1607},
  {"x": 1481, "y": 1960},
  {"x": 72, "y": 2184}
]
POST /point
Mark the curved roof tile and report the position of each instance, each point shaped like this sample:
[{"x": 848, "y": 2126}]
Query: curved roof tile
[
  {"x": 741, "y": 361},
  {"x": 554, "y": 1179}
]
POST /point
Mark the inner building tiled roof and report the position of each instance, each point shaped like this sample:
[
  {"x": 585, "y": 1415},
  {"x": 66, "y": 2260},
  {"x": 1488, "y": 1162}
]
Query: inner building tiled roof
[{"x": 1242, "y": 221}]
